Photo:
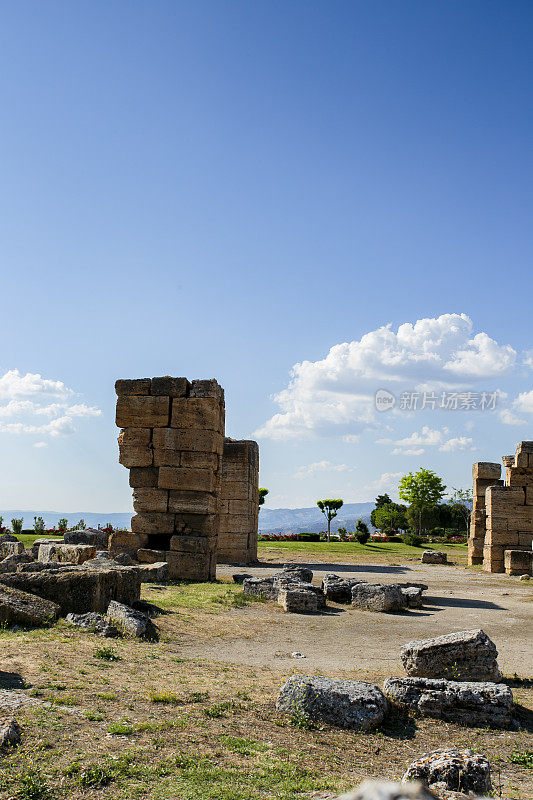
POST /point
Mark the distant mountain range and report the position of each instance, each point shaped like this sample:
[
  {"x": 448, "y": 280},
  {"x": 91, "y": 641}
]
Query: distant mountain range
[{"x": 271, "y": 520}]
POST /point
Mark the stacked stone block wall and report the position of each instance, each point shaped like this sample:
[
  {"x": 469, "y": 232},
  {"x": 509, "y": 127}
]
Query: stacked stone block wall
[
  {"x": 502, "y": 517},
  {"x": 237, "y": 541},
  {"x": 172, "y": 440}
]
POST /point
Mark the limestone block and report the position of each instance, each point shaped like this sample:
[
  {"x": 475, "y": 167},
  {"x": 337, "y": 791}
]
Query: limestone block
[
  {"x": 462, "y": 656},
  {"x": 499, "y": 499},
  {"x": 133, "y": 456},
  {"x": 524, "y": 447},
  {"x": 146, "y": 556},
  {"x": 508, "y": 461},
  {"x": 381, "y": 597},
  {"x": 144, "y": 477},
  {"x": 11, "y": 549},
  {"x": 23, "y": 608},
  {"x": 142, "y": 412},
  {"x": 520, "y": 477},
  {"x": 187, "y": 566},
  {"x": 198, "y": 524},
  {"x": 150, "y": 500},
  {"x": 239, "y": 507},
  {"x": 207, "y": 388},
  {"x": 137, "y": 386},
  {"x": 486, "y": 469},
  {"x": 197, "y": 412},
  {"x": 183, "y": 502},
  {"x": 192, "y": 440},
  {"x": 200, "y": 460},
  {"x": 525, "y": 540},
  {"x": 135, "y": 437},
  {"x": 231, "y": 523},
  {"x": 164, "y": 457},
  {"x": 126, "y": 542},
  {"x": 170, "y": 387},
  {"x": 298, "y": 601},
  {"x": 434, "y": 557},
  {"x": 198, "y": 545},
  {"x": 185, "y": 479},
  {"x": 236, "y": 490},
  {"x": 518, "y": 562},
  {"x": 66, "y": 553},
  {"x": 152, "y": 522},
  {"x": 455, "y": 770}
]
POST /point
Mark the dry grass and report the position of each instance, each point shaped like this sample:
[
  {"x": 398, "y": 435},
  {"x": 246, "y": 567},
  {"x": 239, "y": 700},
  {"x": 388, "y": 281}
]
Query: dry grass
[{"x": 147, "y": 723}]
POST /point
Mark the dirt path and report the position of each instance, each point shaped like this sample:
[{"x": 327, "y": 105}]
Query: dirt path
[{"x": 345, "y": 639}]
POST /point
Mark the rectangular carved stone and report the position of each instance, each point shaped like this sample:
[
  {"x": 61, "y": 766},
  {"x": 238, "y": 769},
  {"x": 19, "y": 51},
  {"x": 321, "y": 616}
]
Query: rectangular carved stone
[
  {"x": 190, "y": 544},
  {"x": 198, "y": 480},
  {"x": 137, "y": 386},
  {"x": 192, "y": 502},
  {"x": 200, "y": 460},
  {"x": 194, "y": 440},
  {"x": 163, "y": 457},
  {"x": 188, "y": 566},
  {"x": 207, "y": 388},
  {"x": 150, "y": 500},
  {"x": 152, "y": 522},
  {"x": 135, "y": 456},
  {"x": 197, "y": 412},
  {"x": 151, "y": 556},
  {"x": 198, "y": 524},
  {"x": 142, "y": 412},
  {"x": 170, "y": 387},
  {"x": 486, "y": 469},
  {"x": 135, "y": 437},
  {"x": 143, "y": 477}
]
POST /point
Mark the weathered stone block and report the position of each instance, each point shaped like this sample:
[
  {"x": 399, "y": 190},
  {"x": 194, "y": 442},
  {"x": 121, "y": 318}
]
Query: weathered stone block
[
  {"x": 163, "y": 457},
  {"x": 11, "y": 549},
  {"x": 66, "y": 553},
  {"x": 198, "y": 545},
  {"x": 136, "y": 386},
  {"x": 462, "y": 656},
  {"x": 21, "y": 608},
  {"x": 150, "y": 500},
  {"x": 197, "y": 412},
  {"x": 378, "y": 597},
  {"x": 152, "y": 522},
  {"x": 135, "y": 437},
  {"x": 518, "y": 562},
  {"x": 464, "y": 703},
  {"x": 187, "y": 566},
  {"x": 144, "y": 477},
  {"x": 455, "y": 770},
  {"x": 126, "y": 542},
  {"x": 142, "y": 412},
  {"x": 94, "y": 536},
  {"x": 184, "y": 479},
  {"x": 132, "y": 456},
  {"x": 200, "y": 460},
  {"x": 192, "y": 502},
  {"x": 145, "y": 556},
  {"x": 207, "y": 388},
  {"x": 345, "y": 704},
  {"x": 298, "y": 601},
  {"x": 170, "y": 387},
  {"x": 131, "y": 622},
  {"x": 192, "y": 440},
  {"x": 434, "y": 557}
]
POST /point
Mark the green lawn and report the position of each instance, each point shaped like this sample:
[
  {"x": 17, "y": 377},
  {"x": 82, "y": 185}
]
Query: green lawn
[{"x": 456, "y": 552}]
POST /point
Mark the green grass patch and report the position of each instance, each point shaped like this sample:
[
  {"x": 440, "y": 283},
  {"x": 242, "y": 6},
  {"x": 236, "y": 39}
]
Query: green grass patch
[
  {"x": 523, "y": 757},
  {"x": 354, "y": 549},
  {"x": 213, "y": 597}
]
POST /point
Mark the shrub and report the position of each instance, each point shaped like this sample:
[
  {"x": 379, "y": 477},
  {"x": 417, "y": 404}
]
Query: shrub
[
  {"x": 38, "y": 526},
  {"x": 308, "y": 537},
  {"x": 438, "y": 532},
  {"x": 412, "y": 539},
  {"x": 16, "y": 526},
  {"x": 362, "y": 534}
]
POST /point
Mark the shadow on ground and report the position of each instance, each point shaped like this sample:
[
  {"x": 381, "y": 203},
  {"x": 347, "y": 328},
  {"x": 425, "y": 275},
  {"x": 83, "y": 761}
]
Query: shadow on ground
[
  {"x": 330, "y": 566},
  {"x": 459, "y": 602},
  {"x": 11, "y": 680}
]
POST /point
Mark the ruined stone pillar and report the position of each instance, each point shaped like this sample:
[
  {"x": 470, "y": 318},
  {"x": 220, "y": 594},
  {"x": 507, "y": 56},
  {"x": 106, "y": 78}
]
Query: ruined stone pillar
[
  {"x": 484, "y": 474},
  {"x": 239, "y": 502},
  {"x": 172, "y": 440}
]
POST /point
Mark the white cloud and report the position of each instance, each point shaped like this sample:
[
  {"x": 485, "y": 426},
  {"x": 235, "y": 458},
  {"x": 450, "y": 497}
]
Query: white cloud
[
  {"x": 308, "y": 470},
  {"x": 528, "y": 358},
  {"x": 31, "y": 397},
  {"x": 457, "y": 444},
  {"x": 40, "y": 444},
  {"x": 524, "y": 402},
  {"x": 335, "y": 395},
  {"x": 509, "y": 418},
  {"x": 427, "y": 437},
  {"x": 398, "y": 451},
  {"x": 387, "y": 481}
]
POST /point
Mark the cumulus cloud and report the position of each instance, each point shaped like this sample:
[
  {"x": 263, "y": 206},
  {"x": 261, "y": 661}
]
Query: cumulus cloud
[
  {"x": 31, "y": 397},
  {"x": 418, "y": 441},
  {"x": 524, "y": 402},
  {"x": 386, "y": 482},
  {"x": 508, "y": 417},
  {"x": 308, "y": 470},
  {"x": 457, "y": 444},
  {"x": 335, "y": 395}
]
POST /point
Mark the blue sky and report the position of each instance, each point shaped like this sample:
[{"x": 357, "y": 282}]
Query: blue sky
[{"x": 230, "y": 189}]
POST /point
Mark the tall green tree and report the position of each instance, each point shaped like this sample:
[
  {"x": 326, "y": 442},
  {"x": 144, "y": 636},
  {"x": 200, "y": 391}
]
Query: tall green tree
[
  {"x": 330, "y": 509},
  {"x": 460, "y": 503},
  {"x": 391, "y": 517},
  {"x": 422, "y": 491},
  {"x": 381, "y": 500}
]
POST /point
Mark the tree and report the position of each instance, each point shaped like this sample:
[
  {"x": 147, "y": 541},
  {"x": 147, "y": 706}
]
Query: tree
[
  {"x": 330, "y": 509},
  {"x": 460, "y": 504},
  {"x": 423, "y": 491},
  {"x": 362, "y": 533},
  {"x": 381, "y": 500},
  {"x": 16, "y": 526},
  {"x": 391, "y": 517},
  {"x": 262, "y": 495}
]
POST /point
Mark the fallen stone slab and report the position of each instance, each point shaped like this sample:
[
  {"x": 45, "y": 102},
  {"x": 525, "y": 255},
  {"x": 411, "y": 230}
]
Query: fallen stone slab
[
  {"x": 452, "y": 769},
  {"x": 38, "y": 542},
  {"x": 518, "y": 562},
  {"x": 9, "y": 733},
  {"x": 132, "y": 622},
  {"x": 344, "y": 704},
  {"x": 92, "y": 536},
  {"x": 337, "y": 589},
  {"x": 412, "y": 596},
  {"x": 465, "y": 655},
  {"x": 79, "y": 589},
  {"x": 93, "y": 622},
  {"x": 66, "y": 553},
  {"x": 260, "y": 587},
  {"x": 466, "y": 703},
  {"x": 434, "y": 557},
  {"x": 10, "y": 548},
  {"x": 383, "y": 790},
  {"x": 378, "y": 597},
  {"x": 303, "y": 574},
  {"x": 298, "y": 601},
  {"x": 28, "y": 610},
  {"x": 14, "y": 562}
]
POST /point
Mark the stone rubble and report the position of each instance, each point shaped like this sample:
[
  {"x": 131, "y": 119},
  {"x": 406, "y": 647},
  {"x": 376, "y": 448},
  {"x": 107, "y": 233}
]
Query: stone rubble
[
  {"x": 9, "y": 733},
  {"x": 25, "y": 609},
  {"x": 466, "y": 703},
  {"x": 378, "y": 597},
  {"x": 344, "y": 704},
  {"x": 465, "y": 655},
  {"x": 434, "y": 557},
  {"x": 452, "y": 769},
  {"x": 131, "y": 622},
  {"x": 93, "y": 622}
]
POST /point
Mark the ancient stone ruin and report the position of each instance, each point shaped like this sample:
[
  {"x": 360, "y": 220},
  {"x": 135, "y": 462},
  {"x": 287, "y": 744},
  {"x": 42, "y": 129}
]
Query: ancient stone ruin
[
  {"x": 195, "y": 493},
  {"x": 501, "y": 530}
]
